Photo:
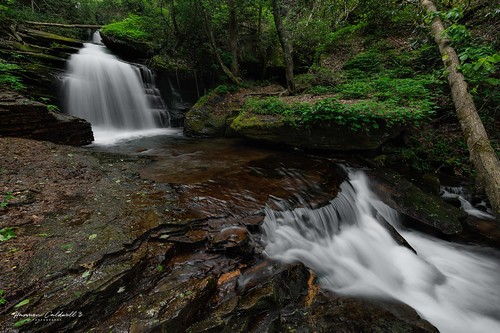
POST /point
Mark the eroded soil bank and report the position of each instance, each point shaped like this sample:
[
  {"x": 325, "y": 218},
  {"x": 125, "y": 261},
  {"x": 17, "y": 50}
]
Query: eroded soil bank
[{"x": 98, "y": 248}]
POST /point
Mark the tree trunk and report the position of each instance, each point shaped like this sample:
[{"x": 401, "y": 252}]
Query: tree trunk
[
  {"x": 481, "y": 153},
  {"x": 214, "y": 46},
  {"x": 60, "y": 25},
  {"x": 233, "y": 38},
  {"x": 174, "y": 20},
  {"x": 284, "y": 37}
]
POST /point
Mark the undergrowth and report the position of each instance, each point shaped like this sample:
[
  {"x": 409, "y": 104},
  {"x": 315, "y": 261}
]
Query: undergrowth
[
  {"x": 132, "y": 28},
  {"x": 363, "y": 115},
  {"x": 8, "y": 76}
]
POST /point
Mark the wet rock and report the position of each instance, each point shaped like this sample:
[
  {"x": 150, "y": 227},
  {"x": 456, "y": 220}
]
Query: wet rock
[
  {"x": 394, "y": 233},
  {"x": 129, "y": 48},
  {"x": 331, "y": 313},
  {"x": 42, "y": 57},
  {"x": 186, "y": 307},
  {"x": 203, "y": 121},
  {"x": 421, "y": 210},
  {"x": 233, "y": 240},
  {"x": 24, "y": 118},
  {"x": 484, "y": 230},
  {"x": 325, "y": 136},
  {"x": 44, "y": 38},
  {"x": 431, "y": 182},
  {"x": 280, "y": 298}
]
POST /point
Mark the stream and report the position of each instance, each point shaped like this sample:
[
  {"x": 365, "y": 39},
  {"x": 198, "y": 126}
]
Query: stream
[{"x": 318, "y": 211}]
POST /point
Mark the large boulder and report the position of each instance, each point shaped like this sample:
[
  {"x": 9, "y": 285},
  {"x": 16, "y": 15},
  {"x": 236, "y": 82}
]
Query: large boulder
[
  {"x": 203, "y": 120},
  {"x": 21, "y": 117},
  {"x": 324, "y": 136},
  {"x": 126, "y": 48},
  {"x": 422, "y": 210},
  {"x": 280, "y": 298}
]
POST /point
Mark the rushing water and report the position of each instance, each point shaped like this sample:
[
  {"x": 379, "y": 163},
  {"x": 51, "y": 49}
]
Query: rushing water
[
  {"x": 465, "y": 199},
  {"x": 455, "y": 287},
  {"x": 114, "y": 96}
]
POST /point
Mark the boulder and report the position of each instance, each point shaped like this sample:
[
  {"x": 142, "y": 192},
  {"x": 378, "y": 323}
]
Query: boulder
[
  {"x": 323, "y": 136},
  {"x": 233, "y": 240},
  {"x": 127, "y": 48},
  {"x": 21, "y": 117},
  {"x": 424, "y": 211},
  {"x": 47, "y": 39},
  {"x": 287, "y": 298},
  {"x": 203, "y": 120}
]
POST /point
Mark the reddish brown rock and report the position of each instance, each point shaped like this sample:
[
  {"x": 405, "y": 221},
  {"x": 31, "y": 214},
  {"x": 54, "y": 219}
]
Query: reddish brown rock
[{"x": 21, "y": 117}]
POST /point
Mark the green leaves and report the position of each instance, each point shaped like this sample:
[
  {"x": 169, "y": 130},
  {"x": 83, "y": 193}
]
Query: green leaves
[
  {"x": 23, "y": 302},
  {"x": 134, "y": 27},
  {"x": 21, "y": 322},
  {"x": 7, "y": 233},
  {"x": 8, "y": 75},
  {"x": 365, "y": 114}
]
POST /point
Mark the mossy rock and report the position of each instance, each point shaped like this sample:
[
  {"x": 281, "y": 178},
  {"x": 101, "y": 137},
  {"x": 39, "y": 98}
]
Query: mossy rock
[
  {"x": 325, "y": 136},
  {"x": 422, "y": 210},
  {"x": 126, "y": 47},
  {"x": 204, "y": 121},
  {"x": 47, "y": 39}
]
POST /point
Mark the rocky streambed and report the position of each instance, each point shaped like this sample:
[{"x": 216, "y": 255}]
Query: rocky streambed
[{"x": 171, "y": 242}]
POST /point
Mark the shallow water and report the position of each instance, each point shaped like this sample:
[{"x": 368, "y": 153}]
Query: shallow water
[{"x": 455, "y": 287}]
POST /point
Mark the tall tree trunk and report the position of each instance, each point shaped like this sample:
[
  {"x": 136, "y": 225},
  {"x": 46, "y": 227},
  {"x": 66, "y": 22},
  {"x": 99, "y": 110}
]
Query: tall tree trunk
[
  {"x": 260, "y": 44},
  {"x": 214, "y": 46},
  {"x": 233, "y": 38},
  {"x": 174, "y": 20},
  {"x": 284, "y": 37},
  {"x": 481, "y": 153}
]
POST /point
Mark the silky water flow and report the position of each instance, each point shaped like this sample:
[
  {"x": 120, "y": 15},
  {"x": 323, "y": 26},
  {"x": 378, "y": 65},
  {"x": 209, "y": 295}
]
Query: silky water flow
[
  {"x": 455, "y": 287},
  {"x": 119, "y": 99}
]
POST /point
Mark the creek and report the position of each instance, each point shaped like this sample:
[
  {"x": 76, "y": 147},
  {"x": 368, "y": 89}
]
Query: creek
[{"x": 317, "y": 211}]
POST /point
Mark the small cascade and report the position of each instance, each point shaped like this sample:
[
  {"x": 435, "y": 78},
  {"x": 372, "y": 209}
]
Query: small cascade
[
  {"x": 459, "y": 193},
  {"x": 153, "y": 95},
  {"x": 455, "y": 287},
  {"x": 96, "y": 38},
  {"x": 112, "y": 94}
]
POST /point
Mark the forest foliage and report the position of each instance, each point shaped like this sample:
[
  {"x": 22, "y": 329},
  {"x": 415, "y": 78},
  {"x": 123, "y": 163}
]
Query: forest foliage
[{"x": 378, "y": 52}]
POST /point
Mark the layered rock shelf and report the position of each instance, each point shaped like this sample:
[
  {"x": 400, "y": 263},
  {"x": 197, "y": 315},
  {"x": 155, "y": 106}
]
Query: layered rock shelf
[{"x": 25, "y": 118}]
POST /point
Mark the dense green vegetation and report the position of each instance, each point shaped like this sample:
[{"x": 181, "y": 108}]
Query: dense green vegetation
[{"x": 368, "y": 60}]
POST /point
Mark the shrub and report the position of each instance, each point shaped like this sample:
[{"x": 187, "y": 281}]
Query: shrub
[
  {"x": 7, "y": 77},
  {"x": 134, "y": 27},
  {"x": 362, "y": 115}
]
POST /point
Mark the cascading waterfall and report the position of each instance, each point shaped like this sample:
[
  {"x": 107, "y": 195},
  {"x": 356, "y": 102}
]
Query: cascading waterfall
[
  {"x": 463, "y": 197},
  {"x": 112, "y": 95},
  {"x": 455, "y": 287}
]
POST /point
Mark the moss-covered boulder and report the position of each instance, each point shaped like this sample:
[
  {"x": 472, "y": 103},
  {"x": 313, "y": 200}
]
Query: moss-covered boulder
[
  {"x": 130, "y": 38},
  {"x": 422, "y": 210},
  {"x": 47, "y": 39},
  {"x": 203, "y": 120},
  {"x": 324, "y": 136},
  {"x": 126, "y": 48}
]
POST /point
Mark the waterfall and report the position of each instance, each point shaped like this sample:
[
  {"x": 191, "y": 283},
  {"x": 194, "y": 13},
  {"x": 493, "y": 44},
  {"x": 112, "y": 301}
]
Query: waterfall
[
  {"x": 114, "y": 96},
  {"x": 455, "y": 287},
  {"x": 465, "y": 199}
]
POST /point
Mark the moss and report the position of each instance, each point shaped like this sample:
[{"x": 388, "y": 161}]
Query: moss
[{"x": 443, "y": 217}]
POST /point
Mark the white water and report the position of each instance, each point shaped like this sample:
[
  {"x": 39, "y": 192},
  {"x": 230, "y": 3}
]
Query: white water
[
  {"x": 114, "y": 96},
  {"x": 104, "y": 136},
  {"x": 455, "y": 287},
  {"x": 465, "y": 202}
]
